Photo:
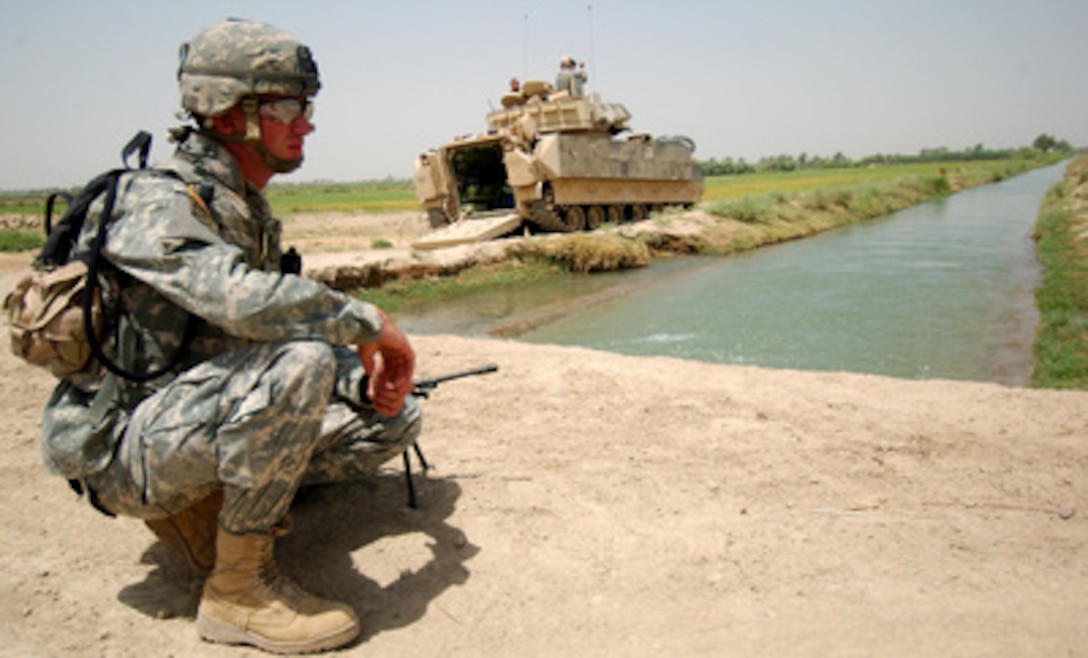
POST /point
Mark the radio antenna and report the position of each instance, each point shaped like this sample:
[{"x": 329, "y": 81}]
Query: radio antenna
[
  {"x": 592, "y": 56},
  {"x": 525, "y": 47}
]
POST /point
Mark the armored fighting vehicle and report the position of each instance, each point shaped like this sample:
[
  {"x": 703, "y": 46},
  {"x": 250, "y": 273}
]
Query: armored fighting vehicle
[{"x": 552, "y": 161}]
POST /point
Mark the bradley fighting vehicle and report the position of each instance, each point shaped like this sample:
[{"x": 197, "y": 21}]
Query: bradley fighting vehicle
[{"x": 552, "y": 161}]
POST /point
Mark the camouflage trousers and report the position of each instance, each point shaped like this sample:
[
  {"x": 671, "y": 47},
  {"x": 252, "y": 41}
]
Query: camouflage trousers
[{"x": 259, "y": 422}]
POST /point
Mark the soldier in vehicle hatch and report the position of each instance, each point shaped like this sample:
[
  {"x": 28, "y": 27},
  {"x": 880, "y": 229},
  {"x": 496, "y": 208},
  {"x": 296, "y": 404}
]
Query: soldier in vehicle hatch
[
  {"x": 285, "y": 381},
  {"x": 571, "y": 77}
]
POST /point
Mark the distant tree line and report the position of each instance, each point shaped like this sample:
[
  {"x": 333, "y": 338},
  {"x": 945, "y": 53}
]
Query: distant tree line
[{"x": 1043, "y": 144}]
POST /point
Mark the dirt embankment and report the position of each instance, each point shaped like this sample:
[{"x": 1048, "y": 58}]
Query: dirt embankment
[
  {"x": 594, "y": 504},
  {"x": 348, "y": 250}
]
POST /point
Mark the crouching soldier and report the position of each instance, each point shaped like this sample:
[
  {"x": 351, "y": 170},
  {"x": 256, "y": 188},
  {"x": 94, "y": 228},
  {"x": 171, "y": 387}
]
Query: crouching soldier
[{"x": 279, "y": 381}]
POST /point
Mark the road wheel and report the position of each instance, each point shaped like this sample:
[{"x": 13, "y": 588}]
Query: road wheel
[
  {"x": 638, "y": 211},
  {"x": 575, "y": 218},
  {"x": 614, "y": 214},
  {"x": 544, "y": 215},
  {"x": 594, "y": 217},
  {"x": 437, "y": 218}
]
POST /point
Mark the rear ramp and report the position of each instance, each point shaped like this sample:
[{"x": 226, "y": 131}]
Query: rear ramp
[{"x": 467, "y": 231}]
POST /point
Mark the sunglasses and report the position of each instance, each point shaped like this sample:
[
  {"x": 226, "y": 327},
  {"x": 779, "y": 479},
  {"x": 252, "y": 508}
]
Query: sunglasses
[{"x": 286, "y": 110}]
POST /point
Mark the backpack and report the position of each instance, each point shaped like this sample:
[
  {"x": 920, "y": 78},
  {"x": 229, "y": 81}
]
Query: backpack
[{"x": 55, "y": 313}]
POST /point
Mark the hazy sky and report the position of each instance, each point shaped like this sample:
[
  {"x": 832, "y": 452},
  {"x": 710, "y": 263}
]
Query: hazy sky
[{"x": 743, "y": 78}]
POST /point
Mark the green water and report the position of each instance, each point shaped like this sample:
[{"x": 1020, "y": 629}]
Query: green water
[{"x": 942, "y": 290}]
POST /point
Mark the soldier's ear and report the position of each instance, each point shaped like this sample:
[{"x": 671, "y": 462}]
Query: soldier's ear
[{"x": 231, "y": 122}]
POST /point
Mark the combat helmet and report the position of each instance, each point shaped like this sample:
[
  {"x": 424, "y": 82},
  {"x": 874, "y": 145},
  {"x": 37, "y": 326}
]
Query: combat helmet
[
  {"x": 234, "y": 59},
  {"x": 233, "y": 62}
]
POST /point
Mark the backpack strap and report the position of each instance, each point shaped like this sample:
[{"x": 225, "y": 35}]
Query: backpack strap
[
  {"x": 140, "y": 143},
  {"x": 50, "y": 201},
  {"x": 58, "y": 244},
  {"x": 61, "y": 238},
  {"x": 88, "y": 299}
]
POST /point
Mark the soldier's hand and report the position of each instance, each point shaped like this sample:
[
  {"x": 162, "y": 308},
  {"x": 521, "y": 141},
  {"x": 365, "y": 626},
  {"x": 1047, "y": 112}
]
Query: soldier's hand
[{"x": 390, "y": 364}]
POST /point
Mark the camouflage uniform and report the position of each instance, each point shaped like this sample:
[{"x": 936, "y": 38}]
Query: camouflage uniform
[
  {"x": 578, "y": 82},
  {"x": 267, "y": 397},
  {"x": 263, "y": 392},
  {"x": 569, "y": 78}
]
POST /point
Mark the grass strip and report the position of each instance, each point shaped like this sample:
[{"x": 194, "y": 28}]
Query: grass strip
[
  {"x": 1061, "y": 235},
  {"x": 404, "y": 294},
  {"x": 16, "y": 240}
]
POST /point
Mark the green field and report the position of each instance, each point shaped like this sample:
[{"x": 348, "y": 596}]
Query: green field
[
  {"x": 803, "y": 180},
  {"x": 397, "y": 195},
  {"x": 384, "y": 196}
]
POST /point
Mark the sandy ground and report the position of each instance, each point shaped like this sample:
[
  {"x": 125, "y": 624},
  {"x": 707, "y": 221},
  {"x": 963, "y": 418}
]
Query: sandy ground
[{"x": 592, "y": 504}]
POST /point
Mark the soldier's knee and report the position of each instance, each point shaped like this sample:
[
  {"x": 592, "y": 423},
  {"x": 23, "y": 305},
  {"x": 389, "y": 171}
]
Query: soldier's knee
[
  {"x": 309, "y": 352},
  {"x": 413, "y": 419},
  {"x": 312, "y": 361},
  {"x": 404, "y": 428},
  {"x": 412, "y": 412}
]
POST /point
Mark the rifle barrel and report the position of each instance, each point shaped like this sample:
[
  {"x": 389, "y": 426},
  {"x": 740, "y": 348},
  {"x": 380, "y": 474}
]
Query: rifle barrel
[{"x": 431, "y": 382}]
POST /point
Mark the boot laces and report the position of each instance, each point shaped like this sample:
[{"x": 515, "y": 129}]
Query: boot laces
[{"x": 276, "y": 583}]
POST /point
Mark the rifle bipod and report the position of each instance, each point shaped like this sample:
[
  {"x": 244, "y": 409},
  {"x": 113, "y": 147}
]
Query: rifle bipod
[
  {"x": 408, "y": 472},
  {"x": 422, "y": 389}
]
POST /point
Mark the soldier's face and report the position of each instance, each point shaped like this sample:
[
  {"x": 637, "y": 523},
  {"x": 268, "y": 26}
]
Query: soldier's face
[{"x": 285, "y": 123}]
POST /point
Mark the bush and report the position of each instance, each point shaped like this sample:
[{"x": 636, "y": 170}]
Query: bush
[
  {"x": 747, "y": 209},
  {"x": 583, "y": 253},
  {"x": 940, "y": 185},
  {"x": 826, "y": 198}
]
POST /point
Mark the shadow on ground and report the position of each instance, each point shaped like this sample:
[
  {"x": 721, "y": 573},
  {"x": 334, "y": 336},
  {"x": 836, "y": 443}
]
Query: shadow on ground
[{"x": 344, "y": 542}]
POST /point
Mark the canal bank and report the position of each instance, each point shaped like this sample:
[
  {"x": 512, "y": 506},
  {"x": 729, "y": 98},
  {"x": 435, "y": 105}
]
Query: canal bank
[
  {"x": 940, "y": 290},
  {"x": 1061, "y": 347},
  {"x": 392, "y": 274},
  {"x": 943, "y": 290}
]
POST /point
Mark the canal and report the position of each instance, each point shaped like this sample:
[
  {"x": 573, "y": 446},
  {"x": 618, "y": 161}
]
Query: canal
[{"x": 940, "y": 290}]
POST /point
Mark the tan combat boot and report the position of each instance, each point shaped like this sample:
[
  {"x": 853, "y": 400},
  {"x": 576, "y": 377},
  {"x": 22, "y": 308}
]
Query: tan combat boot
[
  {"x": 246, "y": 601},
  {"x": 192, "y": 533}
]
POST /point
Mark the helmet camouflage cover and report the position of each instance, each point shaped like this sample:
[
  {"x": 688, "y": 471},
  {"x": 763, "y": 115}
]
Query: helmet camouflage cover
[{"x": 234, "y": 59}]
